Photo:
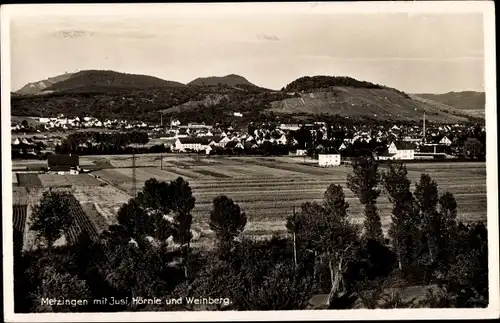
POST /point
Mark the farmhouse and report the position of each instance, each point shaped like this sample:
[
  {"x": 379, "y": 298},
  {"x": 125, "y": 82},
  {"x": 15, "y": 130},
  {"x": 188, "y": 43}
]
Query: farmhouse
[
  {"x": 64, "y": 164},
  {"x": 402, "y": 150},
  {"x": 328, "y": 160}
]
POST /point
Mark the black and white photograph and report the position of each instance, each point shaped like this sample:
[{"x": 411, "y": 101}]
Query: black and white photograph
[{"x": 249, "y": 161}]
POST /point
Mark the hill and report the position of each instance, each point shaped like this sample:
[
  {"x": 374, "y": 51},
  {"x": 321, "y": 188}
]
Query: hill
[
  {"x": 347, "y": 97},
  {"x": 37, "y": 87},
  {"x": 471, "y": 101},
  {"x": 108, "y": 94},
  {"x": 231, "y": 80},
  {"x": 108, "y": 80}
]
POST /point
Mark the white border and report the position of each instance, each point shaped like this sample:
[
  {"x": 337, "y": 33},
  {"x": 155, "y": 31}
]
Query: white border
[{"x": 485, "y": 7}]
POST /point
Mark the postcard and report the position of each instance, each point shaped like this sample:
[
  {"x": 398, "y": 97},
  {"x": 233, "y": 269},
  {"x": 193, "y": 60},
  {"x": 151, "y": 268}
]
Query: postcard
[{"x": 249, "y": 161}]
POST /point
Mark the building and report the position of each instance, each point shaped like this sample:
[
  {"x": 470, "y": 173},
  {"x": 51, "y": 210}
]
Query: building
[
  {"x": 329, "y": 160},
  {"x": 385, "y": 155},
  {"x": 191, "y": 144},
  {"x": 289, "y": 127},
  {"x": 402, "y": 150},
  {"x": 445, "y": 141},
  {"x": 63, "y": 164}
]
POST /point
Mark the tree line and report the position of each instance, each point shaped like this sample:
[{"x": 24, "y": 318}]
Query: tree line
[
  {"x": 150, "y": 252},
  {"x": 94, "y": 142}
]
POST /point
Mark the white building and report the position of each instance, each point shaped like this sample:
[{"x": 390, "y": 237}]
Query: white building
[
  {"x": 328, "y": 160},
  {"x": 402, "y": 150},
  {"x": 445, "y": 141},
  {"x": 192, "y": 144},
  {"x": 292, "y": 127},
  {"x": 301, "y": 152}
]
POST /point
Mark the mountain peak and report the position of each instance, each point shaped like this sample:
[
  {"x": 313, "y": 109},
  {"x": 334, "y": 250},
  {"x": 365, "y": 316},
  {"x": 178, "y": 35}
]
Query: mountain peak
[
  {"x": 96, "y": 80},
  {"x": 228, "y": 80}
]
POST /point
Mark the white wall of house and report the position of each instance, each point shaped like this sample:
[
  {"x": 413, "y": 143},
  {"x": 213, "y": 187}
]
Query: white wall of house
[
  {"x": 445, "y": 141},
  {"x": 328, "y": 160},
  {"x": 179, "y": 146},
  {"x": 393, "y": 149},
  {"x": 404, "y": 154}
]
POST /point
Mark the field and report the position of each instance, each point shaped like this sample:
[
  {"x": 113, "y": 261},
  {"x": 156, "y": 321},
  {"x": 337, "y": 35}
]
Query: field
[
  {"x": 54, "y": 180},
  {"x": 266, "y": 188}
]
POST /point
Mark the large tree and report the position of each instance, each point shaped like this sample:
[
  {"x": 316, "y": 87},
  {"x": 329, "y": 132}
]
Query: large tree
[
  {"x": 403, "y": 226},
  {"x": 52, "y": 216},
  {"x": 227, "y": 220},
  {"x": 472, "y": 148},
  {"x": 334, "y": 201},
  {"x": 363, "y": 182},
  {"x": 147, "y": 214},
  {"x": 328, "y": 233},
  {"x": 181, "y": 204}
]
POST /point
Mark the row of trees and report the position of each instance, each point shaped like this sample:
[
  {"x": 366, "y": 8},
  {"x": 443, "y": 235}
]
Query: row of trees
[
  {"x": 149, "y": 252},
  {"x": 94, "y": 142}
]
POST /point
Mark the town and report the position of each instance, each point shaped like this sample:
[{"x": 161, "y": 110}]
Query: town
[
  {"x": 328, "y": 144},
  {"x": 249, "y": 160}
]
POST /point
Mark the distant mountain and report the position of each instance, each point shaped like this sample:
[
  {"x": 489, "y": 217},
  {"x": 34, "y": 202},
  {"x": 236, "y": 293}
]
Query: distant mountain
[
  {"x": 108, "y": 80},
  {"x": 231, "y": 80},
  {"x": 36, "y": 87},
  {"x": 465, "y": 100}
]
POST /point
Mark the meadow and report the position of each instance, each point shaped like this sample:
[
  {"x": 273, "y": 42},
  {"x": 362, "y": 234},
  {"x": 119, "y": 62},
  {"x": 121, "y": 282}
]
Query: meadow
[{"x": 267, "y": 189}]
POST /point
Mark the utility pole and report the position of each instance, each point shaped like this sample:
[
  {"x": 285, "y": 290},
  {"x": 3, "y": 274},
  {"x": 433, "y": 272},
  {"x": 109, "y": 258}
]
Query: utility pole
[
  {"x": 161, "y": 156},
  {"x": 294, "y": 239},
  {"x": 134, "y": 179}
]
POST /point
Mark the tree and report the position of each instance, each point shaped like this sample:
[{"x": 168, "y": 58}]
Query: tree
[
  {"x": 334, "y": 201},
  {"x": 329, "y": 235},
  {"x": 182, "y": 203},
  {"x": 363, "y": 182},
  {"x": 61, "y": 285},
  {"x": 227, "y": 220},
  {"x": 427, "y": 197},
  {"x": 402, "y": 227},
  {"x": 136, "y": 221},
  {"x": 472, "y": 148},
  {"x": 146, "y": 214},
  {"x": 445, "y": 229},
  {"x": 52, "y": 216}
]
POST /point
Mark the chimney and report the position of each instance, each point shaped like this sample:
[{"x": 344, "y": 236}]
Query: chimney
[{"x": 424, "y": 127}]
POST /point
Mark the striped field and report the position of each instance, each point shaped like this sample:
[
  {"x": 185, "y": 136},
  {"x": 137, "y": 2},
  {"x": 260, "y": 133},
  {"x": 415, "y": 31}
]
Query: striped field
[{"x": 268, "y": 189}]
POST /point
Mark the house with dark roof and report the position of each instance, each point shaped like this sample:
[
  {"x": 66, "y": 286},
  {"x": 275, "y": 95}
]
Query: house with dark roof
[
  {"x": 63, "y": 164},
  {"x": 402, "y": 150}
]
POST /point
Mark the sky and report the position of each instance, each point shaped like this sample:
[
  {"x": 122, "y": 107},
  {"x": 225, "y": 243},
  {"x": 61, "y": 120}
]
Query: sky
[{"x": 415, "y": 53}]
